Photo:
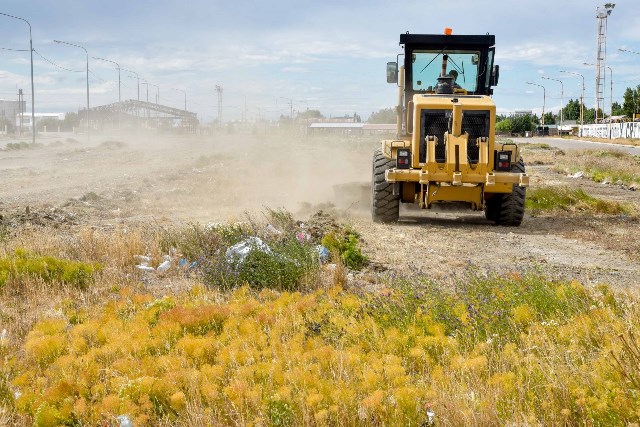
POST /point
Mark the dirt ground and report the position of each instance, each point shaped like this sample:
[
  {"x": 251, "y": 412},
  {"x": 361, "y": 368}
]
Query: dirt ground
[{"x": 127, "y": 181}]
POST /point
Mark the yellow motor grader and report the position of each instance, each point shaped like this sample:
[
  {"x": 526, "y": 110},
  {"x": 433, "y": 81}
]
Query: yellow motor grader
[{"x": 445, "y": 150}]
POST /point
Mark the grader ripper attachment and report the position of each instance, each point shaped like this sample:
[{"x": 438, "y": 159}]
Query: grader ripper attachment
[{"x": 445, "y": 150}]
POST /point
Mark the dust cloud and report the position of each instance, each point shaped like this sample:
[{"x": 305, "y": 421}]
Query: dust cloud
[{"x": 190, "y": 177}]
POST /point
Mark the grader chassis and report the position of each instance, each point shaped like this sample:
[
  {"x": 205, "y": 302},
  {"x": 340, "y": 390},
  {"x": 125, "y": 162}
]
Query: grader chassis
[{"x": 445, "y": 150}]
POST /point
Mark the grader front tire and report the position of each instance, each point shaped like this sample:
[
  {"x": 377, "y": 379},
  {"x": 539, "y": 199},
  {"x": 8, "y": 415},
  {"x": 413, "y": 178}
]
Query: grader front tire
[
  {"x": 509, "y": 209},
  {"x": 385, "y": 207}
]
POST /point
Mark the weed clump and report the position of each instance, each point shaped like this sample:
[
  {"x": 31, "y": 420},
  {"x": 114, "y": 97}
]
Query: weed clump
[
  {"x": 279, "y": 253},
  {"x": 23, "y": 264},
  {"x": 542, "y": 199}
]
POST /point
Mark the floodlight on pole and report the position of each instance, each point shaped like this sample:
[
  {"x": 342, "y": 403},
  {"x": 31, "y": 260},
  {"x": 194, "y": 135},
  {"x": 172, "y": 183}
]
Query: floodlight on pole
[
  {"x": 581, "y": 97},
  {"x": 544, "y": 98},
  {"x": 561, "y": 98},
  {"x": 33, "y": 111},
  {"x": 87, "y": 54}
]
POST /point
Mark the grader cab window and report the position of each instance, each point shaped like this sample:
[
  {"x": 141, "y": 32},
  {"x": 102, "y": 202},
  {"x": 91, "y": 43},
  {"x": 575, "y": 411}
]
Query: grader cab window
[{"x": 427, "y": 66}]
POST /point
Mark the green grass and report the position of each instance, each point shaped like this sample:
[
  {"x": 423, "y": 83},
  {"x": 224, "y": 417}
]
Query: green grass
[
  {"x": 22, "y": 264},
  {"x": 574, "y": 200},
  {"x": 612, "y": 166}
]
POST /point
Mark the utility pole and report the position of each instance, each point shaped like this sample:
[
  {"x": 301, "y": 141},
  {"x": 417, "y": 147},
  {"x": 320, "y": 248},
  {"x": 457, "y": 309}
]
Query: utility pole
[
  {"x": 561, "y": 99},
  {"x": 33, "y": 108}
]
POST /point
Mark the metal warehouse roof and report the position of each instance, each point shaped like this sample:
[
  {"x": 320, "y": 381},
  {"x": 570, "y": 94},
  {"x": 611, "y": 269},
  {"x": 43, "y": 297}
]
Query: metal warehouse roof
[{"x": 336, "y": 125}]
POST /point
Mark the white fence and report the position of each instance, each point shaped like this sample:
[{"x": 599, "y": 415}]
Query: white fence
[{"x": 612, "y": 130}]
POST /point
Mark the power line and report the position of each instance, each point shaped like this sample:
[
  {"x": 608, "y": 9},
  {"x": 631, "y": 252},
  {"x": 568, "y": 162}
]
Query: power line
[
  {"x": 56, "y": 65},
  {"x": 15, "y": 50}
]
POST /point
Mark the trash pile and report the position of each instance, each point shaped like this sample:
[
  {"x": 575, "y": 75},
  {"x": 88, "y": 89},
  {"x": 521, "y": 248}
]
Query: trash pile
[{"x": 278, "y": 253}]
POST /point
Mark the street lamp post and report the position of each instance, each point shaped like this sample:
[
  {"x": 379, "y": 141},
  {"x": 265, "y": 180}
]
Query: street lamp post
[
  {"x": 544, "y": 100},
  {"x": 146, "y": 83},
  {"x": 634, "y": 103},
  {"x": 33, "y": 111},
  {"x": 157, "y": 93},
  {"x": 581, "y": 97},
  {"x": 87, "y": 54},
  {"x": 561, "y": 99},
  {"x": 118, "y": 68},
  {"x": 138, "y": 78}
]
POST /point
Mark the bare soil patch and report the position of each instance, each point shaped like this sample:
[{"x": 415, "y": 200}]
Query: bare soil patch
[{"x": 137, "y": 181}]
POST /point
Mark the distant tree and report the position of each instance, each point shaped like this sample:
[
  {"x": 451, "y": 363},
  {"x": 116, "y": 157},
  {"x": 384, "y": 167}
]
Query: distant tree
[
  {"x": 631, "y": 101},
  {"x": 522, "y": 123},
  {"x": 572, "y": 110},
  {"x": 357, "y": 118},
  {"x": 50, "y": 122},
  {"x": 4, "y": 121},
  {"x": 616, "y": 109},
  {"x": 71, "y": 120},
  {"x": 310, "y": 114},
  {"x": 386, "y": 115},
  {"x": 549, "y": 118},
  {"x": 504, "y": 125}
]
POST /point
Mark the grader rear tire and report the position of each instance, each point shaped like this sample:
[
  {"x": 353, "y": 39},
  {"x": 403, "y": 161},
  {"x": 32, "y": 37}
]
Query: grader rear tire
[
  {"x": 385, "y": 207},
  {"x": 509, "y": 208}
]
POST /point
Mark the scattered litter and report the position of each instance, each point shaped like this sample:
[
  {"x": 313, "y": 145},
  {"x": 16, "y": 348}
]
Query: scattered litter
[
  {"x": 4, "y": 335},
  {"x": 270, "y": 229},
  {"x": 578, "y": 174},
  {"x": 239, "y": 252},
  {"x": 619, "y": 182},
  {"x": 303, "y": 236},
  {"x": 142, "y": 258},
  {"x": 431, "y": 417},
  {"x": 605, "y": 182},
  {"x": 184, "y": 264},
  {"x": 125, "y": 420},
  {"x": 633, "y": 188},
  {"x": 165, "y": 265},
  {"x": 145, "y": 268},
  {"x": 323, "y": 253}
]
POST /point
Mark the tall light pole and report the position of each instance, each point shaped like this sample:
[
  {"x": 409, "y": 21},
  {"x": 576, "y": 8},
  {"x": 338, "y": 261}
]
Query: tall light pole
[
  {"x": 544, "y": 100},
  {"x": 146, "y": 83},
  {"x": 581, "y": 97},
  {"x": 33, "y": 111},
  {"x": 137, "y": 77},
  {"x": 87, "y": 54},
  {"x": 118, "y": 67},
  {"x": 610, "y": 91},
  {"x": 157, "y": 93},
  {"x": 185, "y": 96},
  {"x": 561, "y": 99}
]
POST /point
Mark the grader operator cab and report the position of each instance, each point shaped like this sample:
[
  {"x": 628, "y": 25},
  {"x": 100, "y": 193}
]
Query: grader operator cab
[{"x": 445, "y": 150}]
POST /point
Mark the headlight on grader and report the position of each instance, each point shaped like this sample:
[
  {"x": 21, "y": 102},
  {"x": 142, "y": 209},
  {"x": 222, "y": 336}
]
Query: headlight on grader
[
  {"x": 503, "y": 161},
  {"x": 403, "y": 160}
]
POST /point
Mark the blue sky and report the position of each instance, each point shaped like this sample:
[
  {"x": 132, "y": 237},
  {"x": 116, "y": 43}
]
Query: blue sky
[{"x": 327, "y": 55}]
